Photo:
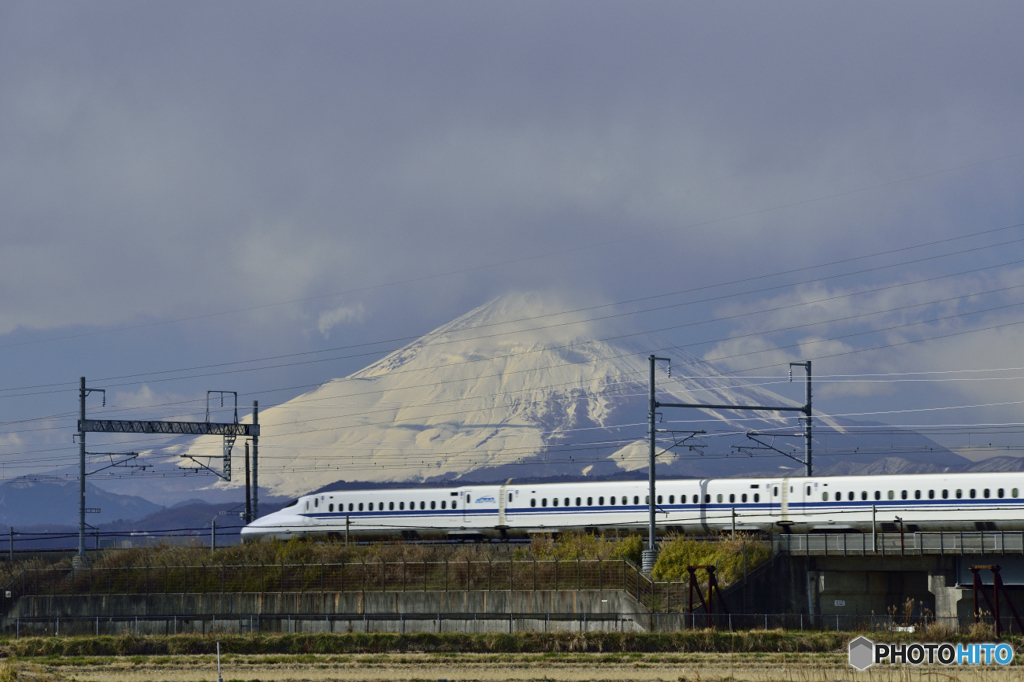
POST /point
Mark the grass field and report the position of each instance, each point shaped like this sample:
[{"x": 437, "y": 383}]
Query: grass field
[
  {"x": 758, "y": 656},
  {"x": 763, "y": 667}
]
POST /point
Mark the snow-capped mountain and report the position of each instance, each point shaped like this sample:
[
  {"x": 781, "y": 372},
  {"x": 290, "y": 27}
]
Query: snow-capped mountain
[{"x": 513, "y": 389}]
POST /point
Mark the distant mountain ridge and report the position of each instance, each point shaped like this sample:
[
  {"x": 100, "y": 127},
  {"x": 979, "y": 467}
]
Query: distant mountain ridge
[{"x": 25, "y": 502}]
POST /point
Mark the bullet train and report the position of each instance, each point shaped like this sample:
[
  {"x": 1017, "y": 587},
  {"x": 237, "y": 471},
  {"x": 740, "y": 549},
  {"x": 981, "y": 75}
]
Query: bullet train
[{"x": 922, "y": 502}]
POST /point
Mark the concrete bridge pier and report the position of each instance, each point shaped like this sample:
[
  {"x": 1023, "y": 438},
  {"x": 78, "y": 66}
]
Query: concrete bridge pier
[{"x": 952, "y": 601}]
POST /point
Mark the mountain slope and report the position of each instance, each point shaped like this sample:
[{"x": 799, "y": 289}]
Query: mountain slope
[{"x": 490, "y": 396}]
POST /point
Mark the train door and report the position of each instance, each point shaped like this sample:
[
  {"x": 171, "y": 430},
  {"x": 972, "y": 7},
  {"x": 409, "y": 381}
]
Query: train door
[
  {"x": 781, "y": 492},
  {"x": 503, "y": 500}
]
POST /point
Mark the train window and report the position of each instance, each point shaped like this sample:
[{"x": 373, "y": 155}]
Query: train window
[
  {"x": 360, "y": 506},
  {"x": 307, "y": 505},
  {"x": 371, "y": 506},
  {"x": 707, "y": 499},
  {"x": 554, "y": 502},
  {"x": 647, "y": 499},
  {"x": 510, "y": 497},
  {"x": 808, "y": 490},
  {"x": 757, "y": 497},
  {"x": 423, "y": 505},
  {"x": 469, "y": 499},
  {"x": 401, "y": 505},
  {"x": 579, "y": 502},
  {"x": 544, "y": 502},
  {"x": 671, "y": 499},
  {"x": 790, "y": 488},
  {"x": 533, "y": 503},
  {"x": 903, "y": 494},
  {"x": 433, "y": 504},
  {"x": 917, "y": 494},
  {"x": 824, "y": 497},
  {"x": 454, "y": 504},
  {"x": 625, "y": 500},
  {"x": 350, "y": 506},
  {"x": 611, "y": 500},
  {"x": 719, "y": 497},
  {"x": 600, "y": 501},
  {"x": 1000, "y": 493},
  {"x": 931, "y": 494},
  {"x": 590, "y": 501},
  {"x": 567, "y": 502},
  {"x": 695, "y": 498},
  {"x": 444, "y": 503},
  {"x": 732, "y": 498},
  {"x": 743, "y": 497},
  {"x": 863, "y": 494},
  {"x": 891, "y": 495},
  {"x": 636, "y": 499},
  {"x": 775, "y": 491},
  {"x": 330, "y": 507},
  {"x": 985, "y": 493},
  {"x": 1013, "y": 493},
  {"x": 959, "y": 493},
  {"x": 945, "y": 494},
  {"x": 316, "y": 503},
  {"x": 878, "y": 495},
  {"x": 973, "y": 493},
  {"x": 659, "y": 499}
]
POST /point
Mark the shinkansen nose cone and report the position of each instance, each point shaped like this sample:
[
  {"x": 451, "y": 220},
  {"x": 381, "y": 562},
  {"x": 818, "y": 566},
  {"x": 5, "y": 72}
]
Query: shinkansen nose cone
[{"x": 283, "y": 524}]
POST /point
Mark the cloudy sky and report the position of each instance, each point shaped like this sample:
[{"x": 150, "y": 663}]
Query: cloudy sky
[{"x": 184, "y": 185}]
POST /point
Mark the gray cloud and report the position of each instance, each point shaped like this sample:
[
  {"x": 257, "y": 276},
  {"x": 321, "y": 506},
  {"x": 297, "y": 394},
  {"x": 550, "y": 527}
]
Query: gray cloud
[{"x": 163, "y": 161}]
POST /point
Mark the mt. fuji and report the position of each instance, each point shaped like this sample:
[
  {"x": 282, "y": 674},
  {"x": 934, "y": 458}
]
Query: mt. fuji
[{"x": 514, "y": 390}]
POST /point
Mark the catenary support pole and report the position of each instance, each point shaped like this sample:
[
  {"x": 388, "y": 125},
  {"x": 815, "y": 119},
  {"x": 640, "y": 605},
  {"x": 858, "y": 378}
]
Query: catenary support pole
[
  {"x": 248, "y": 493},
  {"x": 81, "y": 470},
  {"x": 256, "y": 461},
  {"x": 650, "y": 555},
  {"x": 808, "y": 445},
  {"x": 651, "y": 417}
]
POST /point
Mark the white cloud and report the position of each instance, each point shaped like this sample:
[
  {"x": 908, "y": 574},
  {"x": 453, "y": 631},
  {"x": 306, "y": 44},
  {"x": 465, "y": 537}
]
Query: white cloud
[{"x": 345, "y": 314}]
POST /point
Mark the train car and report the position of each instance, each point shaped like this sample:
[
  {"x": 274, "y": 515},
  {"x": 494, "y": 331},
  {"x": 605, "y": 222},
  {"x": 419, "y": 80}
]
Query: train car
[{"x": 920, "y": 502}]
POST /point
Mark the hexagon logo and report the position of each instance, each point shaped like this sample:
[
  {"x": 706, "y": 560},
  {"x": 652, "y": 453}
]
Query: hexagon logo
[{"x": 862, "y": 653}]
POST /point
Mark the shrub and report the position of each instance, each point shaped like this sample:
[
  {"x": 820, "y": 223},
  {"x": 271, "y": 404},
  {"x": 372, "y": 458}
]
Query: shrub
[{"x": 726, "y": 555}]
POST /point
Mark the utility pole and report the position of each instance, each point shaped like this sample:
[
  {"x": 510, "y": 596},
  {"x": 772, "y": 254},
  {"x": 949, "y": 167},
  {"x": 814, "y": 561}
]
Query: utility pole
[{"x": 256, "y": 459}]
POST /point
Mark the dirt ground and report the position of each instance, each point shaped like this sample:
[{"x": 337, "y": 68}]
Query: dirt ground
[{"x": 496, "y": 667}]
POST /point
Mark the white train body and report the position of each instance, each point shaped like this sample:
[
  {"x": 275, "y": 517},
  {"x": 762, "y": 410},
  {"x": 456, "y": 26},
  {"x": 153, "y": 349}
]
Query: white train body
[{"x": 924, "y": 502}]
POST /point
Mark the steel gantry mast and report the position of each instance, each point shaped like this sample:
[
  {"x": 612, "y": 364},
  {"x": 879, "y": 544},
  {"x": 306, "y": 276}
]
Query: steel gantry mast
[
  {"x": 650, "y": 555},
  {"x": 229, "y": 430}
]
